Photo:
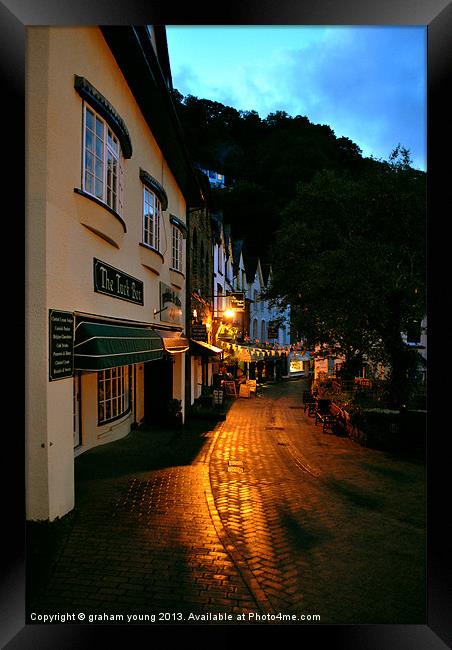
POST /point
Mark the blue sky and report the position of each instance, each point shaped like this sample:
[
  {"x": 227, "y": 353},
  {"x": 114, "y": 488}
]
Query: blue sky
[{"x": 366, "y": 83}]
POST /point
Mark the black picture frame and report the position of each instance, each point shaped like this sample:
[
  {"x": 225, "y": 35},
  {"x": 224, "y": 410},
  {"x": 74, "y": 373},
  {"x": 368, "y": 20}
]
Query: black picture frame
[{"x": 15, "y": 16}]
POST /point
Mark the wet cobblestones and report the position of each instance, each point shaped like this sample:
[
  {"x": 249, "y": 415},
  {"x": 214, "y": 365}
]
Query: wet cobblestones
[{"x": 261, "y": 513}]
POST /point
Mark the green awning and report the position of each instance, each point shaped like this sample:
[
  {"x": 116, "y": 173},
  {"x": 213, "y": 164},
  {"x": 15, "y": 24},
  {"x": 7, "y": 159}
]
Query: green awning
[{"x": 98, "y": 346}]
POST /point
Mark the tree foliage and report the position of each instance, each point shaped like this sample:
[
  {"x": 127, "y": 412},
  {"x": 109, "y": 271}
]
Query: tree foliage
[
  {"x": 262, "y": 160},
  {"x": 345, "y": 234},
  {"x": 350, "y": 259}
]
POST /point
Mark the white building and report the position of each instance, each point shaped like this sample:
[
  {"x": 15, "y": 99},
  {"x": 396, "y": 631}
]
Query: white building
[
  {"x": 263, "y": 325},
  {"x": 107, "y": 197}
]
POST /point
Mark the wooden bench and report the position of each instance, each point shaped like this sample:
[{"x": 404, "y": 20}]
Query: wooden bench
[{"x": 323, "y": 413}]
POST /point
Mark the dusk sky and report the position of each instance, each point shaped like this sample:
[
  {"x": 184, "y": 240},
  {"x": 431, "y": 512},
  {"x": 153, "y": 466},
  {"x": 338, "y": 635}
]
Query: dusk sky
[{"x": 366, "y": 83}]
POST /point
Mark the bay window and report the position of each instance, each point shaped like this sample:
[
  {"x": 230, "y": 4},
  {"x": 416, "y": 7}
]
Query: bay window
[
  {"x": 176, "y": 257},
  {"x": 102, "y": 161},
  {"x": 152, "y": 211}
]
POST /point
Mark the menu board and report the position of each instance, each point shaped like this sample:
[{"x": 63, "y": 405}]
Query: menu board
[{"x": 61, "y": 344}]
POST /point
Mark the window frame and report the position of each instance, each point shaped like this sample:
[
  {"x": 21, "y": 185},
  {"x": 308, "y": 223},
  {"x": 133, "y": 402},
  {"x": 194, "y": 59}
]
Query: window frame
[
  {"x": 156, "y": 219},
  {"x": 123, "y": 377},
  {"x": 176, "y": 249},
  {"x": 111, "y": 150}
]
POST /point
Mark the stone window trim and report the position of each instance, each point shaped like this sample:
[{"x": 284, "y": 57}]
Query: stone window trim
[
  {"x": 153, "y": 184},
  {"x": 102, "y": 106},
  {"x": 150, "y": 248},
  {"x": 77, "y": 190},
  {"x": 175, "y": 221}
]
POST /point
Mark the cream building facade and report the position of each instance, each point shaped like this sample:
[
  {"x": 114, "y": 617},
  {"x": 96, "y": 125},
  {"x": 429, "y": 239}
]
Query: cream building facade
[{"x": 107, "y": 189}]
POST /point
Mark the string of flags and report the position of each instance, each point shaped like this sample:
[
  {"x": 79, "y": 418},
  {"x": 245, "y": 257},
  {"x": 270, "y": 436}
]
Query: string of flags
[{"x": 253, "y": 352}]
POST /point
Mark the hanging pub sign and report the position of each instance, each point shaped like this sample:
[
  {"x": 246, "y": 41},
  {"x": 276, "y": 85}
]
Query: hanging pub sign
[
  {"x": 117, "y": 284},
  {"x": 170, "y": 304},
  {"x": 199, "y": 332},
  {"x": 272, "y": 331},
  {"x": 61, "y": 344},
  {"x": 237, "y": 301}
]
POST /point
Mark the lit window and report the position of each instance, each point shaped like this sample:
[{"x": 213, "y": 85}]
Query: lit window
[
  {"x": 152, "y": 211},
  {"x": 176, "y": 262},
  {"x": 113, "y": 396},
  {"x": 102, "y": 161}
]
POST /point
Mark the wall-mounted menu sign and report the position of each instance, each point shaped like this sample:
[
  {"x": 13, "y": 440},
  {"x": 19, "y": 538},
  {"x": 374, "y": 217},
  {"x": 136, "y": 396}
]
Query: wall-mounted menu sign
[
  {"x": 61, "y": 344},
  {"x": 199, "y": 332},
  {"x": 117, "y": 284}
]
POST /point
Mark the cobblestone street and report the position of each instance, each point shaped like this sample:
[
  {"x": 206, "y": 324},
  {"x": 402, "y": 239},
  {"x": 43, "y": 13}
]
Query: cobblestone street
[{"x": 262, "y": 514}]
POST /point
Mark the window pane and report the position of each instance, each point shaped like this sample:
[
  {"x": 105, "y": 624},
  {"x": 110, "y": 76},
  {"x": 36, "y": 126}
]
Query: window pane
[
  {"x": 89, "y": 161},
  {"x": 115, "y": 175},
  {"x": 99, "y": 168},
  {"x": 89, "y": 183},
  {"x": 99, "y": 127},
  {"x": 99, "y": 148},
  {"x": 89, "y": 140},
  {"x": 89, "y": 119},
  {"x": 99, "y": 189}
]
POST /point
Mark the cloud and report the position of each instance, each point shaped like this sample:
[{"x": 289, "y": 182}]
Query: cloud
[{"x": 368, "y": 84}]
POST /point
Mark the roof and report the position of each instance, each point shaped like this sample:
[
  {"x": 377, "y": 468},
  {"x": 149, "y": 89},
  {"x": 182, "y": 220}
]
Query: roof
[
  {"x": 148, "y": 76},
  {"x": 266, "y": 269}
]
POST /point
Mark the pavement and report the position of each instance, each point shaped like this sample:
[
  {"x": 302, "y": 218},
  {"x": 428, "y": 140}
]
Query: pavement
[{"x": 261, "y": 518}]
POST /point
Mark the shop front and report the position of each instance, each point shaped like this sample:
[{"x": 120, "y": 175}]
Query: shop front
[
  {"x": 110, "y": 358},
  {"x": 299, "y": 363}
]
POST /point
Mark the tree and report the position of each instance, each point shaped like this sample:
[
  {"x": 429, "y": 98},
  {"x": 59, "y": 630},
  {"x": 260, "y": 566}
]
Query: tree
[
  {"x": 269, "y": 155},
  {"x": 350, "y": 260}
]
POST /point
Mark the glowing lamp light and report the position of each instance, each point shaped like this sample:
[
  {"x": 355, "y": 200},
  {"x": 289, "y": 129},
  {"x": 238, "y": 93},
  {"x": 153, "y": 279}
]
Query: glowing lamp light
[{"x": 229, "y": 313}]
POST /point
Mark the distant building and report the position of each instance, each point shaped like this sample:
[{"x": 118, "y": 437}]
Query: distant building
[
  {"x": 200, "y": 297},
  {"x": 215, "y": 178}
]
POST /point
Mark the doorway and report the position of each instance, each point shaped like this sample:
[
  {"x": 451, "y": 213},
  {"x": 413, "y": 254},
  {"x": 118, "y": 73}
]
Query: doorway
[
  {"x": 77, "y": 433},
  {"x": 158, "y": 389}
]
